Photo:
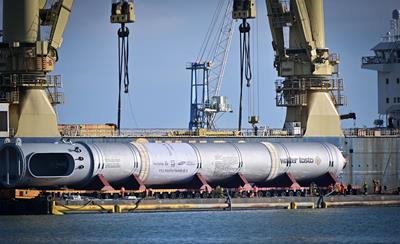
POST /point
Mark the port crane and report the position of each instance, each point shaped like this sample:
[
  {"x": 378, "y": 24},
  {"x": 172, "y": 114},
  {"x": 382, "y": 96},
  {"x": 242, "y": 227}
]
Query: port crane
[
  {"x": 27, "y": 56},
  {"x": 207, "y": 71},
  {"x": 310, "y": 88}
]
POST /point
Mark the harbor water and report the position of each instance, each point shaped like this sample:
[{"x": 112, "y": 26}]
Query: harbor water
[{"x": 339, "y": 225}]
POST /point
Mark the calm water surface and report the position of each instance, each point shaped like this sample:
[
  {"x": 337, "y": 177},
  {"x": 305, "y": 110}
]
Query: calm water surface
[{"x": 344, "y": 225}]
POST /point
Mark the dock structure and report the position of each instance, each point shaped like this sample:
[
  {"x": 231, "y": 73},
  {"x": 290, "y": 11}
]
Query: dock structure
[{"x": 24, "y": 201}]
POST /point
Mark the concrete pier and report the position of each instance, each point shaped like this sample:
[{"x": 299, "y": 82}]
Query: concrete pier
[{"x": 86, "y": 205}]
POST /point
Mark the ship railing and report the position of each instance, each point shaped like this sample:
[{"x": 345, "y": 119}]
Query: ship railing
[
  {"x": 379, "y": 60},
  {"x": 371, "y": 132}
]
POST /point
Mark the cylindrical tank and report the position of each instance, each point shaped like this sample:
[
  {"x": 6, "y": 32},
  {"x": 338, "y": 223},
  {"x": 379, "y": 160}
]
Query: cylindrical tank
[
  {"x": 44, "y": 164},
  {"x": 20, "y": 20},
  {"x": 115, "y": 161},
  {"x": 67, "y": 164},
  {"x": 307, "y": 161},
  {"x": 218, "y": 161},
  {"x": 167, "y": 163},
  {"x": 256, "y": 158}
]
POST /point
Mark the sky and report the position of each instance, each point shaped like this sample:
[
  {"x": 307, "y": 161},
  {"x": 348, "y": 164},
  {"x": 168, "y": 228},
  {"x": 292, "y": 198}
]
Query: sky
[{"x": 168, "y": 34}]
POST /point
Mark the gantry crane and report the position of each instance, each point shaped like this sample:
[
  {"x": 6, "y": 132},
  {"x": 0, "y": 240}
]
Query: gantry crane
[
  {"x": 310, "y": 88},
  {"x": 208, "y": 70}
]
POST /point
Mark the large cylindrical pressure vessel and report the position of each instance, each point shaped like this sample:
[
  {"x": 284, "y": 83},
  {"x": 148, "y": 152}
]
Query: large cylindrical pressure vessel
[
  {"x": 20, "y": 20},
  {"x": 115, "y": 161},
  {"x": 257, "y": 161},
  {"x": 44, "y": 164},
  {"x": 68, "y": 164},
  {"x": 306, "y": 161},
  {"x": 167, "y": 163},
  {"x": 218, "y": 161}
]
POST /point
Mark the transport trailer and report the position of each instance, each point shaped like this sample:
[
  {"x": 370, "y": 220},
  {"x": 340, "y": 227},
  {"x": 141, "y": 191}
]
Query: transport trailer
[
  {"x": 58, "y": 201},
  {"x": 218, "y": 192}
]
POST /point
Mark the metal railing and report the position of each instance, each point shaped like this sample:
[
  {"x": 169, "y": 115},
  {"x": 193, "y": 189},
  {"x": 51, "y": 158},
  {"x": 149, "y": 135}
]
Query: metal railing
[
  {"x": 14, "y": 80},
  {"x": 371, "y": 132},
  {"x": 213, "y": 133},
  {"x": 310, "y": 84},
  {"x": 77, "y": 131},
  {"x": 295, "y": 92},
  {"x": 379, "y": 60}
]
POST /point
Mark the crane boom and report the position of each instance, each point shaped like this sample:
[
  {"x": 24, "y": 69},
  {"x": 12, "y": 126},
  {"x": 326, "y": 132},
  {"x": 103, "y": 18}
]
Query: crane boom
[
  {"x": 221, "y": 51},
  {"x": 310, "y": 88},
  {"x": 208, "y": 71}
]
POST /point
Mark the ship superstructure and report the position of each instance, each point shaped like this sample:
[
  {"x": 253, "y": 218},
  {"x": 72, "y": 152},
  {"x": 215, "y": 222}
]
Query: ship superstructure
[{"x": 386, "y": 62}]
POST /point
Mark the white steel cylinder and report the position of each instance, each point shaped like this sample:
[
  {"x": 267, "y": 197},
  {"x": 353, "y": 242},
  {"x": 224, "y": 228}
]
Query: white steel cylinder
[
  {"x": 44, "y": 164},
  {"x": 218, "y": 161},
  {"x": 256, "y": 160},
  {"x": 308, "y": 160},
  {"x": 63, "y": 164},
  {"x": 115, "y": 161},
  {"x": 167, "y": 163}
]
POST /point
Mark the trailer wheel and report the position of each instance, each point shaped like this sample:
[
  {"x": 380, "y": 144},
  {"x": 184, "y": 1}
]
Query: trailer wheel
[
  {"x": 260, "y": 194},
  {"x": 267, "y": 194},
  {"x": 298, "y": 193},
  {"x": 157, "y": 195},
  {"x": 173, "y": 195},
  {"x": 291, "y": 193},
  {"x": 197, "y": 195},
  {"x": 50, "y": 198},
  {"x": 189, "y": 195},
  {"x": 205, "y": 195},
  {"x": 165, "y": 195},
  {"x": 181, "y": 195},
  {"x": 284, "y": 194},
  {"x": 276, "y": 194}
]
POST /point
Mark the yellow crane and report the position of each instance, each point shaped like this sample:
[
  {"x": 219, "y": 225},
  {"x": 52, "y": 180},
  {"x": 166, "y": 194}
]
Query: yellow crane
[
  {"x": 26, "y": 59},
  {"x": 310, "y": 89}
]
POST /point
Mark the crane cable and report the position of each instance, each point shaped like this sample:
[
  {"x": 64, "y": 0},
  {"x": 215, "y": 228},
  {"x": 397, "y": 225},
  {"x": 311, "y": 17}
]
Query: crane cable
[
  {"x": 205, "y": 45},
  {"x": 258, "y": 66},
  {"x": 123, "y": 73},
  {"x": 245, "y": 64},
  {"x": 254, "y": 89}
]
